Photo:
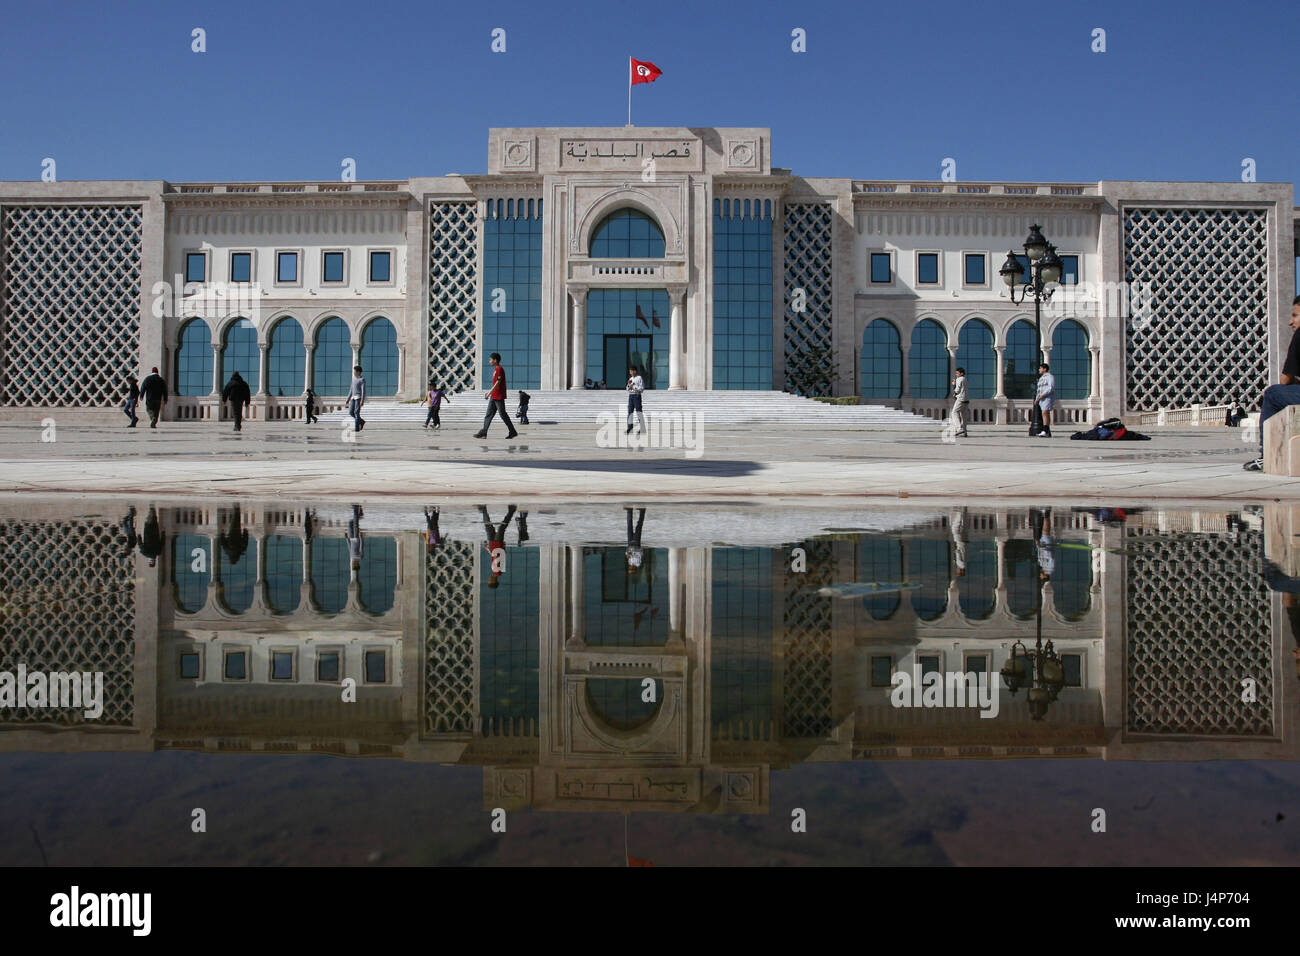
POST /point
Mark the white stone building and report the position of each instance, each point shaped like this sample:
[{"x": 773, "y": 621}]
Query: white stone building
[{"x": 682, "y": 251}]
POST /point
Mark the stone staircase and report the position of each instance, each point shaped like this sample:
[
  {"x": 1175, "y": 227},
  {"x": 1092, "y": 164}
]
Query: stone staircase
[{"x": 720, "y": 407}]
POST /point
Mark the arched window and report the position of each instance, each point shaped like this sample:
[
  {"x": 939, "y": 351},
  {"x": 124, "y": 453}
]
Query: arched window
[
  {"x": 331, "y": 570},
  {"x": 194, "y": 359},
  {"x": 928, "y": 566},
  {"x": 1020, "y": 379},
  {"x": 331, "y": 372},
  {"x": 621, "y": 701},
  {"x": 627, "y": 234},
  {"x": 975, "y": 354},
  {"x": 1022, "y": 570},
  {"x": 378, "y": 574},
  {"x": 190, "y": 587},
  {"x": 1072, "y": 579},
  {"x": 882, "y": 361},
  {"x": 283, "y": 571},
  {"x": 379, "y": 357},
  {"x": 287, "y": 362},
  {"x": 927, "y": 361},
  {"x": 880, "y": 560},
  {"x": 236, "y": 580},
  {"x": 975, "y": 589},
  {"x": 1071, "y": 363},
  {"x": 240, "y": 354}
]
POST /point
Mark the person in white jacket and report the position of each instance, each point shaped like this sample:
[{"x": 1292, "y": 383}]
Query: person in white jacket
[
  {"x": 635, "y": 386},
  {"x": 960, "y": 403}
]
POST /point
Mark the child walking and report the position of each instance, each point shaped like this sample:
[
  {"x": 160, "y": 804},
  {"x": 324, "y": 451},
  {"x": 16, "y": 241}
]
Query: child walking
[{"x": 434, "y": 399}]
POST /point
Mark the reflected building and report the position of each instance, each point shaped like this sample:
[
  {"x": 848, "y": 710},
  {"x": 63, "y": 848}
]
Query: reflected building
[{"x": 671, "y": 676}]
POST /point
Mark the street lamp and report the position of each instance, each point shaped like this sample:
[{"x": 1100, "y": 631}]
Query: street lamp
[
  {"x": 1045, "y": 269},
  {"x": 1043, "y": 671}
]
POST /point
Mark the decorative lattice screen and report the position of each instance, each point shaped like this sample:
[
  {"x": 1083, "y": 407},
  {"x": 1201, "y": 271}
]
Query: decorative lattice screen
[
  {"x": 807, "y": 619},
  {"x": 453, "y": 265},
  {"x": 1204, "y": 273},
  {"x": 69, "y": 304},
  {"x": 809, "y": 357},
  {"x": 450, "y": 601},
  {"x": 68, "y": 604},
  {"x": 1199, "y": 623}
]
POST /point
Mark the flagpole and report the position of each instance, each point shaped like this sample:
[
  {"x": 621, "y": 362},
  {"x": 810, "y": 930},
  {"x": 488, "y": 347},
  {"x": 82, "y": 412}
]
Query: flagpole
[{"x": 629, "y": 89}]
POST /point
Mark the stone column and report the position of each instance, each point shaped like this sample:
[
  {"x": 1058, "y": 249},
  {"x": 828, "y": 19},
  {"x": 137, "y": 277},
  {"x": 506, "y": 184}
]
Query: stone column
[
  {"x": 216, "y": 369},
  {"x": 578, "y": 348},
  {"x": 263, "y": 366},
  {"x": 401, "y": 369},
  {"x": 307, "y": 368},
  {"x": 904, "y": 388},
  {"x": 676, "y": 567},
  {"x": 356, "y": 358},
  {"x": 952, "y": 362},
  {"x": 577, "y": 596},
  {"x": 1094, "y": 373},
  {"x": 1000, "y": 351},
  {"x": 676, "y": 339}
]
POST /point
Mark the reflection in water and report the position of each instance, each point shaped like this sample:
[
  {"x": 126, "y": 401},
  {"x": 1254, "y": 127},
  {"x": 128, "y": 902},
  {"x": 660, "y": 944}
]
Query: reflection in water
[{"x": 630, "y": 661}]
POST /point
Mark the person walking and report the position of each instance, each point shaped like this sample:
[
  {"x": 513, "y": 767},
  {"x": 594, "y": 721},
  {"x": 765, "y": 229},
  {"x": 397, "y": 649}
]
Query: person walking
[
  {"x": 311, "y": 417},
  {"x": 1045, "y": 397},
  {"x": 238, "y": 394},
  {"x": 635, "y": 386},
  {"x": 132, "y": 399},
  {"x": 356, "y": 547},
  {"x": 357, "y": 398},
  {"x": 1287, "y": 392},
  {"x": 152, "y": 541},
  {"x": 433, "y": 398},
  {"x": 434, "y": 536},
  {"x": 960, "y": 403},
  {"x": 634, "y": 554},
  {"x": 496, "y": 543},
  {"x": 154, "y": 391},
  {"x": 496, "y": 399},
  {"x": 957, "y": 525}
]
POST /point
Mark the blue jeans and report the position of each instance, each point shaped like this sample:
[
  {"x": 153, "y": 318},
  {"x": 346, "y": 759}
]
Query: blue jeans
[
  {"x": 1276, "y": 398},
  {"x": 354, "y": 409}
]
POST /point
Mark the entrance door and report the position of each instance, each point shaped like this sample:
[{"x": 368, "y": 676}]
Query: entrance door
[{"x": 623, "y": 352}]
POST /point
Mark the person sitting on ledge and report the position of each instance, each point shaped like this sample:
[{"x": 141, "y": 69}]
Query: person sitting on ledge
[{"x": 1278, "y": 397}]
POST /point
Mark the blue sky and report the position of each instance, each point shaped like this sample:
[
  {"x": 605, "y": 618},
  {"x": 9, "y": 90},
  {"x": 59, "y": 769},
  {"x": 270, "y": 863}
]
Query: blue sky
[{"x": 287, "y": 90}]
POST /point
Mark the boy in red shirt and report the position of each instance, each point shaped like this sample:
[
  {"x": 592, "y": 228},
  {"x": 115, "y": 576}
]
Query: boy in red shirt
[{"x": 496, "y": 398}]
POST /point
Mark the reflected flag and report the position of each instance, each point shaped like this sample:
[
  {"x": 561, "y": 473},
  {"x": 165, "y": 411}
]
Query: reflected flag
[
  {"x": 641, "y": 317},
  {"x": 654, "y": 317}
]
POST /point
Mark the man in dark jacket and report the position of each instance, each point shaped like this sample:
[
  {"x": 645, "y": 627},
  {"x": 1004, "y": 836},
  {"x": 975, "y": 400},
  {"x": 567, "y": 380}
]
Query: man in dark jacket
[
  {"x": 153, "y": 540},
  {"x": 239, "y": 396},
  {"x": 154, "y": 391}
]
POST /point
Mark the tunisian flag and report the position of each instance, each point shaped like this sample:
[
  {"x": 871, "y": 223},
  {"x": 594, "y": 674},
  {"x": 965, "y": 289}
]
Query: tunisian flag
[{"x": 644, "y": 71}]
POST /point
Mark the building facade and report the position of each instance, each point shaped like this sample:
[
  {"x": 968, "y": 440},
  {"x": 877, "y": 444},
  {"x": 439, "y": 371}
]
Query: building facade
[{"x": 682, "y": 251}]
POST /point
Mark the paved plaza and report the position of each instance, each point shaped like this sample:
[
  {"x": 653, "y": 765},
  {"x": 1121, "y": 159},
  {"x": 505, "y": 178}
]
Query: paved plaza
[{"x": 564, "y": 461}]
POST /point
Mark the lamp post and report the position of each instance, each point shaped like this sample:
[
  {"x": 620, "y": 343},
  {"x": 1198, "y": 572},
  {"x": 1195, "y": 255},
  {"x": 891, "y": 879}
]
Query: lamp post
[
  {"x": 1045, "y": 268},
  {"x": 1044, "y": 673}
]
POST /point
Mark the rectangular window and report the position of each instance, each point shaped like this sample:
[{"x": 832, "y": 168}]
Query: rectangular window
[
  {"x": 977, "y": 664},
  {"x": 332, "y": 267},
  {"x": 196, "y": 267},
  {"x": 1073, "y": 666},
  {"x": 327, "y": 666},
  {"x": 881, "y": 267},
  {"x": 376, "y": 667},
  {"x": 282, "y": 665},
  {"x": 882, "y": 671},
  {"x": 241, "y": 267},
  {"x": 286, "y": 267},
  {"x": 189, "y": 665},
  {"x": 976, "y": 268},
  {"x": 1069, "y": 270},
  {"x": 927, "y": 268},
  {"x": 236, "y": 665},
  {"x": 1026, "y": 274},
  {"x": 381, "y": 266},
  {"x": 929, "y": 664}
]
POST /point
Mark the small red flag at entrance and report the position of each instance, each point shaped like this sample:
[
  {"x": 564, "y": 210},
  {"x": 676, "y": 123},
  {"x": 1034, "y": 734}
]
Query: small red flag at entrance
[
  {"x": 637, "y": 861},
  {"x": 644, "y": 71}
]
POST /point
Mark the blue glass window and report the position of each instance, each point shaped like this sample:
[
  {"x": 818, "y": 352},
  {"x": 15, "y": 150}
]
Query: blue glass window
[
  {"x": 283, "y": 573},
  {"x": 286, "y": 267},
  {"x": 1071, "y": 582},
  {"x": 241, "y": 354},
  {"x": 620, "y": 704},
  {"x": 287, "y": 361},
  {"x": 928, "y": 566},
  {"x": 196, "y": 267},
  {"x": 927, "y": 361},
  {"x": 241, "y": 267},
  {"x": 1072, "y": 664},
  {"x": 190, "y": 586},
  {"x": 623, "y": 607},
  {"x": 378, "y": 574},
  {"x": 331, "y": 372},
  {"x": 742, "y": 648},
  {"x": 975, "y": 354},
  {"x": 381, "y": 266},
  {"x": 1021, "y": 556},
  {"x": 236, "y": 580},
  {"x": 379, "y": 357},
  {"x": 236, "y": 665},
  {"x": 512, "y": 291},
  {"x": 627, "y": 234},
  {"x": 332, "y": 267},
  {"x": 975, "y": 589},
  {"x": 927, "y": 268},
  {"x": 1020, "y": 379},
  {"x": 327, "y": 666},
  {"x": 281, "y": 665},
  {"x": 331, "y": 570},
  {"x": 880, "y": 560},
  {"x": 509, "y": 692},
  {"x": 1071, "y": 363},
  {"x": 189, "y": 666},
  {"x": 194, "y": 359},
  {"x": 742, "y": 294},
  {"x": 881, "y": 270},
  {"x": 1069, "y": 270},
  {"x": 976, "y": 268},
  {"x": 1026, "y": 274},
  {"x": 630, "y": 315},
  {"x": 882, "y": 671},
  {"x": 376, "y": 666},
  {"x": 881, "y": 373}
]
